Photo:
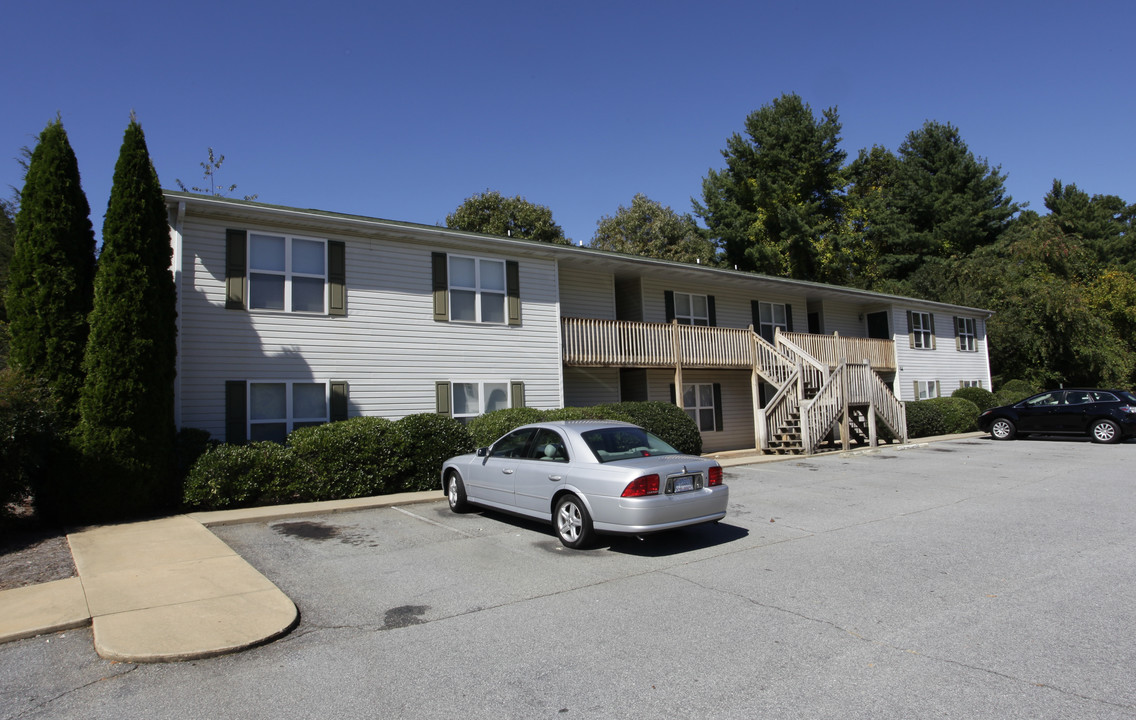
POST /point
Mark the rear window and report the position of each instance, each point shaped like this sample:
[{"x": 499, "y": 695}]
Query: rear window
[
  {"x": 620, "y": 443},
  {"x": 1128, "y": 398}
]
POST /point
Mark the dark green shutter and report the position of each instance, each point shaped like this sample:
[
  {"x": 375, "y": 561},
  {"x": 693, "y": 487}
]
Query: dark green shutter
[
  {"x": 712, "y": 316},
  {"x": 788, "y": 317},
  {"x": 236, "y": 266},
  {"x": 674, "y": 398},
  {"x": 755, "y": 314},
  {"x": 669, "y": 304},
  {"x": 513, "y": 290},
  {"x": 338, "y": 405},
  {"x": 910, "y": 337},
  {"x": 517, "y": 394},
  {"x": 236, "y": 412},
  {"x": 336, "y": 278},
  {"x": 441, "y": 288},
  {"x": 718, "y": 407},
  {"x": 442, "y": 398},
  {"x": 931, "y": 319}
]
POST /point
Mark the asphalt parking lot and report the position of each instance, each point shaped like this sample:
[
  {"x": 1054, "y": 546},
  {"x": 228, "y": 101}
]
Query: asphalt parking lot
[{"x": 964, "y": 579}]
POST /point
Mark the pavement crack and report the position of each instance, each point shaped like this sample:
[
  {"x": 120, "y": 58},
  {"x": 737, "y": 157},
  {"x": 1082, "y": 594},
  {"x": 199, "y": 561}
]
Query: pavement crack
[
  {"x": 127, "y": 668},
  {"x": 880, "y": 643}
]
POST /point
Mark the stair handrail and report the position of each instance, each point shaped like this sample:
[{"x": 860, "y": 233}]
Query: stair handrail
[
  {"x": 854, "y": 384},
  {"x": 816, "y": 372},
  {"x": 783, "y": 403},
  {"x": 771, "y": 363}
]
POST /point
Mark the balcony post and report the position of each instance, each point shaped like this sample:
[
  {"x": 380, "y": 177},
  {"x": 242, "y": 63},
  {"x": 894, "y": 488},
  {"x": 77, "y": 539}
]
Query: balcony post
[{"x": 677, "y": 342}]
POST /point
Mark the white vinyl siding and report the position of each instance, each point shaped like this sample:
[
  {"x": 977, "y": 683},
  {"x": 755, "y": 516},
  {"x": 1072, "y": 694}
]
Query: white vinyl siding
[
  {"x": 584, "y": 386},
  {"x": 388, "y": 348},
  {"x": 944, "y": 363},
  {"x": 737, "y": 406},
  {"x": 586, "y": 294}
]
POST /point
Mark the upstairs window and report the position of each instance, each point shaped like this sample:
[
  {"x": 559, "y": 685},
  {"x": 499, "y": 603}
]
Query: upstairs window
[
  {"x": 287, "y": 273},
  {"x": 476, "y": 290},
  {"x": 691, "y": 309},
  {"x": 921, "y": 330},
  {"x": 965, "y": 332},
  {"x": 770, "y": 317}
]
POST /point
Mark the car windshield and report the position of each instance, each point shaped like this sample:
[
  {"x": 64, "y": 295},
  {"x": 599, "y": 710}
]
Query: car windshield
[{"x": 621, "y": 443}]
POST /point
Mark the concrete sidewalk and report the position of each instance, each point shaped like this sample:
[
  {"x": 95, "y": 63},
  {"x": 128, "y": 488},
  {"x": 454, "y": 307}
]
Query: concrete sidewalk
[{"x": 169, "y": 589}]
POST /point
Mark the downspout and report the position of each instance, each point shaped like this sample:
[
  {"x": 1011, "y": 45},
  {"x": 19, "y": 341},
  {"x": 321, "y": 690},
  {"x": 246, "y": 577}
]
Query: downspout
[{"x": 177, "y": 240}]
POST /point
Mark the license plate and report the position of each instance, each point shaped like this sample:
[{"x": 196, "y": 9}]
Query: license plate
[{"x": 684, "y": 483}]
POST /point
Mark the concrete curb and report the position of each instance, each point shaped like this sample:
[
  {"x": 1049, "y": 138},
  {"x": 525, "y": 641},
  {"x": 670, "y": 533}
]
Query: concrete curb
[{"x": 168, "y": 589}]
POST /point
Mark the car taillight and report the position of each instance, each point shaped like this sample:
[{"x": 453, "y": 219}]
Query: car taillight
[
  {"x": 715, "y": 476},
  {"x": 1127, "y": 409},
  {"x": 646, "y": 485}
]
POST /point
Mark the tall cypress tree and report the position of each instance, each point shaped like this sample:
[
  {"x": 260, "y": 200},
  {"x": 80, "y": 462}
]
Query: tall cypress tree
[
  {"x": 52, "y": 271},
  {"x": 127, "y": 401}
]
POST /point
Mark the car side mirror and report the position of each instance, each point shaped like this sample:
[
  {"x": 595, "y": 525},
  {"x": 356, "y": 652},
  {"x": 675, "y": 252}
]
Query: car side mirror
[{"x": 482, "y": 452}]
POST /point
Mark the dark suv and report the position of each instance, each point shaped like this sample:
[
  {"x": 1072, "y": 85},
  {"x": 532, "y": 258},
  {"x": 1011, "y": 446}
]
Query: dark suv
[{"x": 1106, "y": 416}]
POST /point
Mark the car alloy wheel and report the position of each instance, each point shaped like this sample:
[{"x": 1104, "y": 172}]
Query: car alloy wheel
[
  {"x": 1002, "y": 429},
  {"x": 573, "y": 525},
  {"x": 1105, "y": 431},
  {"x": 455, "y": 493}
]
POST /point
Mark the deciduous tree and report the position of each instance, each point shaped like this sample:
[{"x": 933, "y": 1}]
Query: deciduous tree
[
  {"x": 493, "y": 214},
  {"x": 654, "y": 230}
]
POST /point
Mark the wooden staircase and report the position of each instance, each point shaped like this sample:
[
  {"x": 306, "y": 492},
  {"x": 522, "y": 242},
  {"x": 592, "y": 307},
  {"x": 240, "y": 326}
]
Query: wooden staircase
[{"x": 815, "y": 407}]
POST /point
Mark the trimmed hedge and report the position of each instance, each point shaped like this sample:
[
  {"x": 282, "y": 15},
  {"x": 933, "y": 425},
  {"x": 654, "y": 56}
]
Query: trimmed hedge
[
  {"x": 353, "y": 458},
  {"x": 669, "y": 422},
  {"x": 371, "y": 456},
  {"x": 1013, "y": 391},
  {"x": 981, "y": 397},
  {"x": 940, "y": 416}
]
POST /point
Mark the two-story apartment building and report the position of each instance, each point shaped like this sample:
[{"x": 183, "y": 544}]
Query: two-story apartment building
[{"x": 289, "y": 317}]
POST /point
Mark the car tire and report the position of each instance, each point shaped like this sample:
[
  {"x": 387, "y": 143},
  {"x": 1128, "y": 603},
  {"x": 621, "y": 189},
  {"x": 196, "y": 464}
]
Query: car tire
[
  {"x": 1105, "y": 431},
  {"x": 1003, "y": 429},
  {"x": 572, "y": 522},
  {"x": 455, "y": 492}
]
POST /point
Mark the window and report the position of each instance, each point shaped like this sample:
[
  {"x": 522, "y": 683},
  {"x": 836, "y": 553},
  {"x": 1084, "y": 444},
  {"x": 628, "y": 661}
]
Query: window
[
  {"x": 698, "y": 402},
  {"x": 691, "y": 309},
  {"x": 287, "y": 273},
  {"x": 477, "y": 290},
  {"x": 965, "y": 332},
  {"x": 471, "y": 399},
  {"x": 926, "y": 389},
  {"x": 770, "y": 317},
  {"x": 970, "y": 383},
  {"x": 278, "y": 408},
  {"x": 922, "y": 330}
]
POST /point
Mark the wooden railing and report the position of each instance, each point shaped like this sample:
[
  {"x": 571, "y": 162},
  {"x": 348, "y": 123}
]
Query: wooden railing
[
  {"x": 814, "y": 372},
  {"x": 850, "y": 384},
  {"x": 832, "y": 349},
  {"x": 620, "y": 343}
]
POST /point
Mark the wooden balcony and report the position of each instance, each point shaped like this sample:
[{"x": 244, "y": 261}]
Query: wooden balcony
[
  {"x": 834, "y": 349},
  {"x": 620, "y": 343}
]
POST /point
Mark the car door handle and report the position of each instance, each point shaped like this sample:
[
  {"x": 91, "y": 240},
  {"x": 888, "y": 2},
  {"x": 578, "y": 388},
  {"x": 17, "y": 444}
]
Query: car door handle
[
  {"x": 555, "y": 478},
  {"x": 507, "y": 471}
]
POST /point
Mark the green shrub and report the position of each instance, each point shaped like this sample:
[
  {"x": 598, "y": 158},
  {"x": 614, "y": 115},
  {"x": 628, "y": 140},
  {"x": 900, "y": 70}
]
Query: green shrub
[
  {"x": 595, "y": 412},
  {"x": 669, "y": 422},
  {"x": 428, "y": 440},
  {"x": 352, "y": 458},
  {"x": 940, "y": 416},
  {"x": 981, "y": 397},
  {"x": 230, "y": 476},
  {"x": 30, "y": 433},
  {"x": 485, "y": 429},
  {"x": 1013, "y": 391}
]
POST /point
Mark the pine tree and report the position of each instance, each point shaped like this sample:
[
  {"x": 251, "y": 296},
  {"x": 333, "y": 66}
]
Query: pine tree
[
  {"x": 776, "y": 204},
  {"x": 52, "y": 270},
  {"x": 127, "y": 401}
]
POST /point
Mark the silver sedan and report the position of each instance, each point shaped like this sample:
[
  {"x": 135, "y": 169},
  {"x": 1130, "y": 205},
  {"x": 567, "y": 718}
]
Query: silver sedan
[{"x": 587, "y": 477}]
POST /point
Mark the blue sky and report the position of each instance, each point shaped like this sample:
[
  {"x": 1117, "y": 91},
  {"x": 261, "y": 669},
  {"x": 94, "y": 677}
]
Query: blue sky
[{"x": 403, "y": 110}]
